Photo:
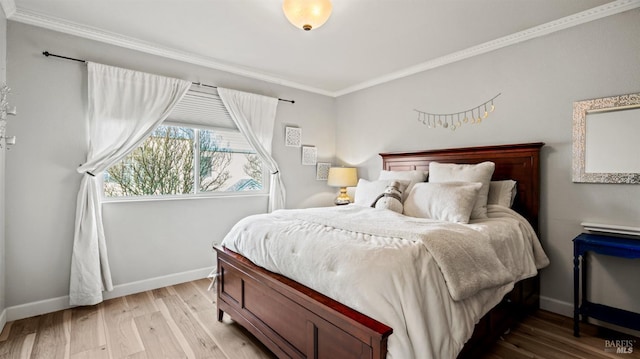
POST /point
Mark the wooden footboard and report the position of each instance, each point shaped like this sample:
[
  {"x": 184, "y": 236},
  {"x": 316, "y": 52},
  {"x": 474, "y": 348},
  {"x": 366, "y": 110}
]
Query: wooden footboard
[{"x": 292, "y": 320}]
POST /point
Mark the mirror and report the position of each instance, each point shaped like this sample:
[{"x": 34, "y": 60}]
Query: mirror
[{"x": 605, "y": 140}]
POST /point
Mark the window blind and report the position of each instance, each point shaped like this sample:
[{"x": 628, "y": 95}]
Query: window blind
[
  {"x": 206, "y": 111},
  {"x": 202, "y": 109}
]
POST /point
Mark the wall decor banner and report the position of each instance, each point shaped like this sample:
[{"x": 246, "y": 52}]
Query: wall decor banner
[{"x": 454, "y": 120}]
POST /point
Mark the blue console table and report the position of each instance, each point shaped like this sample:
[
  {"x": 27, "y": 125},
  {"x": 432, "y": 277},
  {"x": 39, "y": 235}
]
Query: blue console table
[{"x": 607, "y": 245}]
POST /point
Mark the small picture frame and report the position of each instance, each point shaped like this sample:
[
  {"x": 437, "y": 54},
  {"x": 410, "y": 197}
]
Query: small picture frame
[
  {"x": 309, "y": 155},
  {"x": 322, "y": 171},
  {"x": 292, "y": 136}
]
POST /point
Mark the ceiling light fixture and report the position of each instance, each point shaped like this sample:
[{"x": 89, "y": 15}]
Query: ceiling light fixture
[{"x": 307, "y": 14}]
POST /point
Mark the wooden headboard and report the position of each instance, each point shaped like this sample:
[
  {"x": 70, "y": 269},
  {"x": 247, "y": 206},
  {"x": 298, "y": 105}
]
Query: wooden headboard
[{"x": 519, "y": 162}]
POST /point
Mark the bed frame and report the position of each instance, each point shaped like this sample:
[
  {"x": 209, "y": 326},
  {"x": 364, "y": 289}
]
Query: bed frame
[{"x": 294, "y": 321}]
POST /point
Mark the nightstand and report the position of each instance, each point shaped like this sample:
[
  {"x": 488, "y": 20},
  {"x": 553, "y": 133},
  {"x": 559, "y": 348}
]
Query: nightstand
[{"x": 607, "y": 245}]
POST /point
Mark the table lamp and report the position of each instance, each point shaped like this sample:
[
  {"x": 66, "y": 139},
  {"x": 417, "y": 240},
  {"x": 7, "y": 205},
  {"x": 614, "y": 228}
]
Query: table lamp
[{"x": 342, "y": 177}]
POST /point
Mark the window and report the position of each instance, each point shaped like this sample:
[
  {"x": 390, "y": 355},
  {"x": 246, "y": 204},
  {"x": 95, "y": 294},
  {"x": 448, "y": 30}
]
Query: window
[{"x": 185, "y": 157}]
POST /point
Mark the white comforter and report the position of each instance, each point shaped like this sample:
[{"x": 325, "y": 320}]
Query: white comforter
[{"x": 430, "y": 281}]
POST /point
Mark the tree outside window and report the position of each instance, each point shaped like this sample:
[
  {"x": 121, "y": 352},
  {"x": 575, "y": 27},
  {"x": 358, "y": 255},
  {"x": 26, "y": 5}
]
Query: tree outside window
[{"x": 164, "y": 164}]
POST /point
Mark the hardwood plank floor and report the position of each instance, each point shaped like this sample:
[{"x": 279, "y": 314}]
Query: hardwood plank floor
[
  {"x": 173, "y": 322},
  {"x": 180, "y": 322},
  {"x": 550, "y": 336}
]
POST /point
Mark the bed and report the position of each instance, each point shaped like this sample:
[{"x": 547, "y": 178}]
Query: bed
[{"x": 295, "y": 321}]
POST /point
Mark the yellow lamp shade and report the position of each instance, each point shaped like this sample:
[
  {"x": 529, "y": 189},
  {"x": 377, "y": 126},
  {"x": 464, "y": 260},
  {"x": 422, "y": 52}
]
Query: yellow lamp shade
[
  {"x": 307, "y": 14},
  {"x": 342, "y": 177}
]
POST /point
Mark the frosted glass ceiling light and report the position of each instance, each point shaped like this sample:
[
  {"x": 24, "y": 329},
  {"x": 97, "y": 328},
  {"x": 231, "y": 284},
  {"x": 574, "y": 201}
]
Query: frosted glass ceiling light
[{"x": 307, "y": 14}]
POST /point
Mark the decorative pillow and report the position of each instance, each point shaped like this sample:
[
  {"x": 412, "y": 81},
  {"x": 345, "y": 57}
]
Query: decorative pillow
[
  {"x": 368, "y": 191},
  {"x": 481, "y": 172},
  {"x": 502, "y": 192},
  {"x": 445, "y": 201},
  {"x": 413, "y": 177}
]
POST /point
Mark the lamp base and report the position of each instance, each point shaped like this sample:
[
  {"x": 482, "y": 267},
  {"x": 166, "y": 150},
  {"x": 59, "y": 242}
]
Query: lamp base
[{"x": 342, "y": 198}]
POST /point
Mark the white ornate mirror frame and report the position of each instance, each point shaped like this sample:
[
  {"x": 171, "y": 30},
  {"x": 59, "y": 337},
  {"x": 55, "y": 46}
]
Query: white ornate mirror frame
[{"x": 605, "y": 140}]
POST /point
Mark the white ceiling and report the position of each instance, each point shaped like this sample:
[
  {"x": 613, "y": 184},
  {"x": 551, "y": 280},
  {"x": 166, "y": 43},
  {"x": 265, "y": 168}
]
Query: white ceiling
[{"x": 365, "y": 42}]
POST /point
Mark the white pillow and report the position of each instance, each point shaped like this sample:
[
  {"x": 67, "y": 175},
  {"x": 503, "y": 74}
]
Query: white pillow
[
  {"x": 368, "y": 191},
  {"x": 481, "y": 172},
  {"x": 413, "y": 177},
  {"x": 446, "y": 201},
  {"x": 502, "y": 192}
]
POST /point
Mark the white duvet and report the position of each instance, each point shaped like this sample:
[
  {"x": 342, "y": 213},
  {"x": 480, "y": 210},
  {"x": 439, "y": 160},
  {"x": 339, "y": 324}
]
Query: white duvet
[{"x": 430, "y": 281}]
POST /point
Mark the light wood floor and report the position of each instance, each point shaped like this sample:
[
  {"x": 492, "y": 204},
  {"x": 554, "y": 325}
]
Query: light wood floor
[
  {"x": 173, "y": 322},
  {"x": 180, "y": 322},
  {"x": 549, "y": 335}
]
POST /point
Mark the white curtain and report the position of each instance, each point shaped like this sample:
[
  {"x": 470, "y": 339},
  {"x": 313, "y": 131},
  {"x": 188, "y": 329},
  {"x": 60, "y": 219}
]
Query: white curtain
[
  {"x": 124, "y": 108},
  {"x": 255, "y": 116}
]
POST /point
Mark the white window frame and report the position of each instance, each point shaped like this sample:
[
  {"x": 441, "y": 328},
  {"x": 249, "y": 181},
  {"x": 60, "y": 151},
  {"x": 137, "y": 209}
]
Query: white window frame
[{"x": 197, "y": 194}]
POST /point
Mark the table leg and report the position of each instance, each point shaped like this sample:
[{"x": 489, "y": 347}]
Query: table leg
[
  {"x": 584, "y": 268},
  {"x": 576, "y": 291}
]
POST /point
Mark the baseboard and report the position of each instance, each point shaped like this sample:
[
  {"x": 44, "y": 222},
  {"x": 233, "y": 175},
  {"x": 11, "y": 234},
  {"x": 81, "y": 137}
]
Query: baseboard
[
  {"x": 60, "y": 303},
  {"x": 157, "y": 282},
  {"x": 556, "y": 306},
  {"x": 3, "y": 319}
]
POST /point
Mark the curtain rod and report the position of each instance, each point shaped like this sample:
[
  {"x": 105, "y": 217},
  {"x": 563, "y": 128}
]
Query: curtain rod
[{"x": 47, "y": 54}]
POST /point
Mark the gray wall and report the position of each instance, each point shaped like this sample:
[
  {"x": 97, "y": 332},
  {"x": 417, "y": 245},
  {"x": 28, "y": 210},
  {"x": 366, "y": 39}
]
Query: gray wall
[
  {"x": 146, "y": 239},
  {"x": 539, "y": 80},
  {"x": 3, "y": 76}
]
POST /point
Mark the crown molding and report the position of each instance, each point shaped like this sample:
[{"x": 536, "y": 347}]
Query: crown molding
[
  {"x": 92, "y": 33},
  {"x": 592, "y": 14},
  {"x": 9, "y": 7},
  {"x": 68, "y": 27}
]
